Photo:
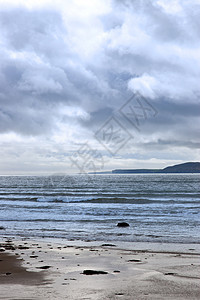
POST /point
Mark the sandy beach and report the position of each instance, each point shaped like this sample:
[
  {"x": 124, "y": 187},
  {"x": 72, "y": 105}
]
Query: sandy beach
[{"x": 50, "y": 270}]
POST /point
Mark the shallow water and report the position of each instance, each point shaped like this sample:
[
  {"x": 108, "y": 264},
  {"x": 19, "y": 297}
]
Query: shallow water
[{"x": 158, "y": 207}]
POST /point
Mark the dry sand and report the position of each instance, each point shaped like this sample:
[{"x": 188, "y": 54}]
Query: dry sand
[{"x": 48, "y": 270}]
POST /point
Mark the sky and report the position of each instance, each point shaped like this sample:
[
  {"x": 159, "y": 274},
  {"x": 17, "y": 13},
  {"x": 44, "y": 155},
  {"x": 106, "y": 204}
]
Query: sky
[{"x": 98, "y": 85}]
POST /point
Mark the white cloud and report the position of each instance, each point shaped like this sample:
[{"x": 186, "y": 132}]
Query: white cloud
[
  {"x": 170, "y": 6},
  {"x": 145, "y": 85}
]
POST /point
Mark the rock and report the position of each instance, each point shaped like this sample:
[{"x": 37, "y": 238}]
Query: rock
[
  {"x": 116, "y": 271},
  {"x": 44, "y": 267},
  {"x": 7, "y": 246},
  {"x": 134, "y": 260},
  {"x": 108, "y": 245},
  {"x": 119, "y": 294},
  {"x": 122, "y": 224},
  {"x": 23, "y": 247},
  {"x": 94, "y": 272}
]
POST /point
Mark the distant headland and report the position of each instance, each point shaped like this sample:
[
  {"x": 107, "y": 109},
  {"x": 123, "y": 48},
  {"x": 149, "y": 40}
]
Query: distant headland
[{"x": 188, "y": 167}]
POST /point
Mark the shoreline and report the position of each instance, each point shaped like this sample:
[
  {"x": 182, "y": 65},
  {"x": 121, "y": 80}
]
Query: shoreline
[
  {"x": 44, "y": 269},
  {"x": 161, "y": 247}
]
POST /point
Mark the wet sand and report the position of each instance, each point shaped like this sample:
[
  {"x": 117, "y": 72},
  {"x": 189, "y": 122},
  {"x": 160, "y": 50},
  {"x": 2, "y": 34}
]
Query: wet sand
[{"x": 49, "y": 270}]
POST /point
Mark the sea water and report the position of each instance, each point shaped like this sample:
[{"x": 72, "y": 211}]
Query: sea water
[{"x": 158, "y": 207}]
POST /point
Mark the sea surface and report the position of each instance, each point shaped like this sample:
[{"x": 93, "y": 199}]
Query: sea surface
[{"x": 158, "y": 207}]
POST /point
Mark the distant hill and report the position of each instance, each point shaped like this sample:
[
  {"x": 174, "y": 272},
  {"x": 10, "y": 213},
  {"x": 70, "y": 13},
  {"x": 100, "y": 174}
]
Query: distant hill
[{"x": 188, "y": 167}]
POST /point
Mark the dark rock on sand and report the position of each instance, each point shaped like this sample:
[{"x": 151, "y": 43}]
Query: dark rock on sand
[
  {"x": 44, "y": 267},
  {"x": 94, "y": 272},
  {"x": 119, "y": 294},
  {"x": 134, "y": 260},
  {"x": 108, "y": 245},
  {"x": 122, "y": 224},
  {"x": 7, "y": 246},
  {"x": 23, "y": 247}
]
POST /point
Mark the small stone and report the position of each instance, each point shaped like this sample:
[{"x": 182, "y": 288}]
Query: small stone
[
  {"x": 108, "y": 245},
  {"x": 94, "y": 272},
  {"x": 134, "y": 260},
  {"x": 123, "y": 224},
  {"x": 44, "y": 267}
]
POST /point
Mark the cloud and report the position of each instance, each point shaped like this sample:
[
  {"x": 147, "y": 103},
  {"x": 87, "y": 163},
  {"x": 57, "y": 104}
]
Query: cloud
[{"x": 66, "y": 67}]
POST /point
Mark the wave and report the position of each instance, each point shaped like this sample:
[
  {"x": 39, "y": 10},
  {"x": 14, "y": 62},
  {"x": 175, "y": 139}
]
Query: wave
[
  {"x": 136, "y": 201},
  {"x": 107, "y": 199},
  {"x": 23, "y": 199},
  {"x": 97, "y": 200},
  {"x": 116, "y": 200}
]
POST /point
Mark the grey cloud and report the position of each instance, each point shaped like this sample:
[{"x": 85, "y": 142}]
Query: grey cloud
[
  {"x": 166, "y": 144},
  {"x": 40, "y": 69},
  {"x": 40, "y": 30}
]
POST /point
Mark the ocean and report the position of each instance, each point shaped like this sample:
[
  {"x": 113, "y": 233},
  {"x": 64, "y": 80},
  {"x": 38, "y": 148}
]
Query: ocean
[{"x": 158, "y": 207}]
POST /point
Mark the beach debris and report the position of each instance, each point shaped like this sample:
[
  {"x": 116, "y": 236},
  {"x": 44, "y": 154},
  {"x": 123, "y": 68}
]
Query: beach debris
[
  {"x": 33, "y": 256},
  {"x": 123, "y": 224},
  {"x": 8, "y": 273},
  {"x": 94, "y": 272},
  {"x": 170, "y": 273}
]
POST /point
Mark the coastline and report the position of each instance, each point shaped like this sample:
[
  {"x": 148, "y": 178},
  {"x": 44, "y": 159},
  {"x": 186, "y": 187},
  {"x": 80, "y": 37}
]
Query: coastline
[{"x": 52, "y": 269}]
